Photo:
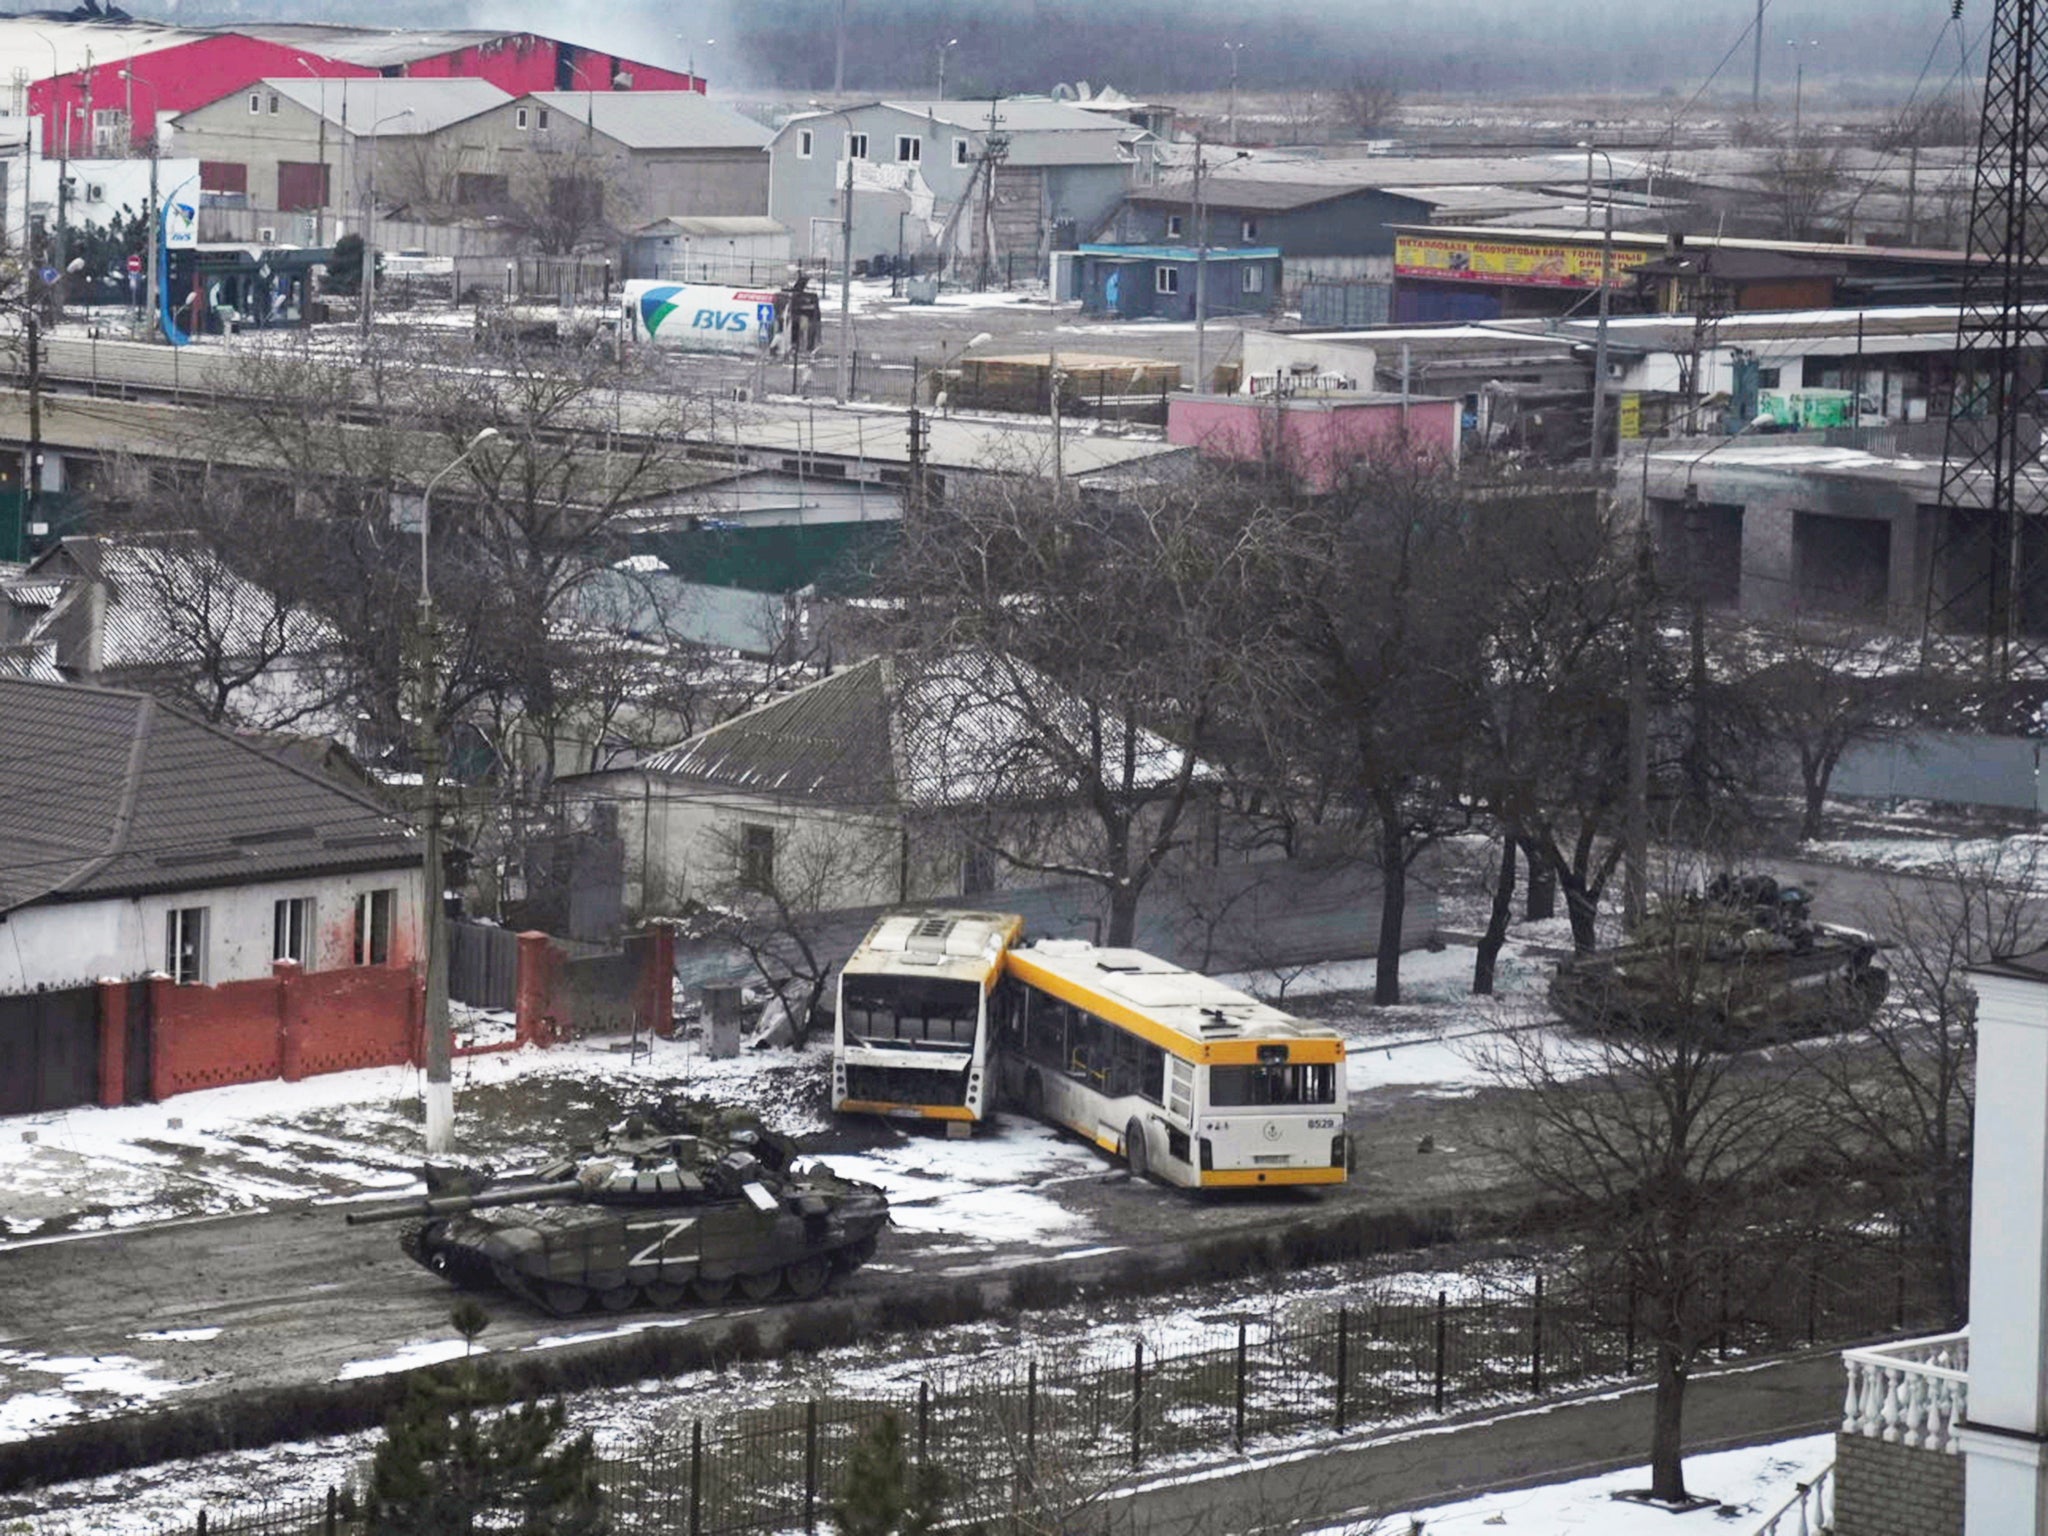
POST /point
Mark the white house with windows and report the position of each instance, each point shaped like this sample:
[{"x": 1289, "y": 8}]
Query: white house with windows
[
  {"x": 1003, "y": 182},
  {"x": 137, "y": 840}
]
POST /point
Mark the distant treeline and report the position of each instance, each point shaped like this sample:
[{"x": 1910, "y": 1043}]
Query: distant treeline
[{"x": 1169, "y": 47}]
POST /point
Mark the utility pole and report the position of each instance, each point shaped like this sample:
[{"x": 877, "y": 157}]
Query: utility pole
[
  {"x": 440, "y": 1094},
  {"x": 846, "y": 269},
  {"x": 1635, "y": 868},
  {"x": 1606, "y": 277},
  {"x": 1756, "y": 61},
  {"x": 839, "y": 53},
  {"x": 1201, "y": 276},
  {"x": 32, "y": 490}
]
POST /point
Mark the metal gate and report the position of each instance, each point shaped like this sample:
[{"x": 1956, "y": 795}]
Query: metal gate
[
  {"x": 483, "y": 965},
  {"x": 49, "y": 1050}
]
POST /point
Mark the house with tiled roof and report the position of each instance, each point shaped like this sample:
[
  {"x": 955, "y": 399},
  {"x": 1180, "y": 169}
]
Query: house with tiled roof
[
  {"x": 862, "y": 788},
  {"x": 136, "y": 839}
]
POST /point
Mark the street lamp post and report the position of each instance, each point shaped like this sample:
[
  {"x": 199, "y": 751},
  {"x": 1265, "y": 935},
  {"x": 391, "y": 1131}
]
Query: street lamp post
[
  {"x": 440, "y": 1097},
  {"x": 369, "y": 283},
  {"x": 155, "y": 158},
  {"x": 1230, "y": 118},
  {"x": 951, "y": 42},
  {"x": 1798, "y": 80}
]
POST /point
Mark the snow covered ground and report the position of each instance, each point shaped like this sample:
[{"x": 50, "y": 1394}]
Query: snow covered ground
[{"x": 1751, "y": 1485}]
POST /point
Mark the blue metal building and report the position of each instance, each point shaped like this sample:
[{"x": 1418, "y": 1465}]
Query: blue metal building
[{"x": 1157, "y": 282}]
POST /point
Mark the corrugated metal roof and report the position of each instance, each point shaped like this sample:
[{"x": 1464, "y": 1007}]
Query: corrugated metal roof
[
  {"x": 373, "y": 108},
  {"x": 889, "y": 733},
  {"x": 163, "y": 593},
  {"x": 730, "y": 226},
  {"x": 1018, "y": 114},
  {"x": 105, "y": 792},
  {"x": 658, "y": 119},
  {"x": 371, "y": 47},
  {"x": 1240, "y": 192}
]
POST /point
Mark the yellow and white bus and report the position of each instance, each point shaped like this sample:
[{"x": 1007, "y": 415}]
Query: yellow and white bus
[
  {"x": 912, "y": 1038},
  {"x": 1190, "y": 1081}
]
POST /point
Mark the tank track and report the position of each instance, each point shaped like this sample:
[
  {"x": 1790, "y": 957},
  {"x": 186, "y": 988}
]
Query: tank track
[{"x": 470, "y": 1270}]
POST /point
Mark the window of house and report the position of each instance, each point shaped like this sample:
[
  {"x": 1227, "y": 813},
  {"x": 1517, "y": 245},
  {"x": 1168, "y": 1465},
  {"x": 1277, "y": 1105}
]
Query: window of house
[
  {"x": 302, "y": 184},
  {"x": 273, "y": 103},
  {"x": 757, "y": 856},
  {"x": 1166, "y": 279},
  {"x": 255, "y": 101},
  {"x": 803, "y": 143},
  {"x": 959, "y": 151},
  {"x": 1254, "y": 278},
  {"x": 540, "y": 120},
  {"x": 374, "y": 913},
  {"x": 519, "y": 118},
  {"x": 1173, "y": 226},
  {"x": 1248, "y": 229},
  {"x": 482, "y": 189},
  {"x": 185, "y": 945},
  {"x": 1767, "y": 378},
  {"x": 223, "y": 176},
  {"x": 857, "y": 145},
  {"x": 291, "y": 929},
  {"x": 909, "y": 149}
]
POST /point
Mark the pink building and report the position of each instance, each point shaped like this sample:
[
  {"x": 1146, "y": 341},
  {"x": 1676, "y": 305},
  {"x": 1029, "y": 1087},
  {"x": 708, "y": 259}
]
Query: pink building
[
  {"x": 1316, "y": 437},
  {"x": 101, "y": 86}
]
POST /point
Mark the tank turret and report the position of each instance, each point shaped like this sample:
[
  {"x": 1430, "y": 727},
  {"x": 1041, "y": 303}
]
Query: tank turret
[
  {"x": 1742, "y": 963},
  {"x": 649, "y": 1217}
]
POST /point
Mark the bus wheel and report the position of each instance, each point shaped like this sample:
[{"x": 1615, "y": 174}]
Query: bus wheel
[{"x": 1136, "y": 1152}]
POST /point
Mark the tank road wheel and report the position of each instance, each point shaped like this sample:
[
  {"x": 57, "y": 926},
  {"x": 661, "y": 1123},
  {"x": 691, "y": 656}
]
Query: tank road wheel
[
  {"x": 665, "y": 1293},
  {"x": 1137, "y": 1152},
  {"x": 853, "y": 1255},
  {"x": 806, "y": 1277},
  {"x": 616, "y": 1298},
  {"x": 711, "y": 1292},
  {"x": 560, "y": 1297},
  {"x": 761, "y": 1286}
]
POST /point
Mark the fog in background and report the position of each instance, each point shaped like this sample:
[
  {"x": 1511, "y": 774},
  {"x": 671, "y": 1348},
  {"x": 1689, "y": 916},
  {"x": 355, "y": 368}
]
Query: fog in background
[{"x": 1856, "y": 51}]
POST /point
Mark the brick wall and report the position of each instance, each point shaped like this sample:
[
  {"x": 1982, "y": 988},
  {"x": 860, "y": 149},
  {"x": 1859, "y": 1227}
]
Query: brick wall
[
  {"x": 556, "y": 998},
  {"x": 1883, "y": 1489},
  {"x": 291, "y": 1024}
]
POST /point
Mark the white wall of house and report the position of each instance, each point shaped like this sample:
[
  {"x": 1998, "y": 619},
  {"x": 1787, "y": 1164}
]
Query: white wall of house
[{"x": 68, "y": 943}]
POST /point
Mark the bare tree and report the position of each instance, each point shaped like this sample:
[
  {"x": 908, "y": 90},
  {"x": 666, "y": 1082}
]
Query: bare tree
[
  {"x": 1817, "y": 688},
  {"x": 1083, "y": 656},
  {"x": 1666, "y": 1141},
  {"x": 1377, "y": 701},
  {"x": 1368, "y": 103},
  {"x": 1802, "y": 187},
  {"x": 1901, "y": 1099}
]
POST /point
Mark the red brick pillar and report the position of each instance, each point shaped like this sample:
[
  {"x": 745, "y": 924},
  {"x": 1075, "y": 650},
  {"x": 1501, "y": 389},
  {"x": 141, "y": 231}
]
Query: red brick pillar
[
  {"x": 113, "y": 1042},
  {"x": 533, "y": 995},
  {"x": 290, "y": 1048},
  {"x": 656, "y": 999},
  {"x": 160, "y": 1042}
]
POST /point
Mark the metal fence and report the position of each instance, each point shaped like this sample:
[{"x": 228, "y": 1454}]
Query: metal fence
[
  {"x": 1024, "y": 1438},
  {"x": 483, "y": 965}
]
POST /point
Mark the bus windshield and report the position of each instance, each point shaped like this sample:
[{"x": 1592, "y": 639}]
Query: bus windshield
[
  {"x": 1248, "y": 1087},
  {"x": 910, "y": 1010}
]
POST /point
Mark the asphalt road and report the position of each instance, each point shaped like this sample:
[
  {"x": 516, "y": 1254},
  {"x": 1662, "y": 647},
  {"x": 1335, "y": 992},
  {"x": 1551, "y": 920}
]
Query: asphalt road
[{"x": 298, "y": 1294}]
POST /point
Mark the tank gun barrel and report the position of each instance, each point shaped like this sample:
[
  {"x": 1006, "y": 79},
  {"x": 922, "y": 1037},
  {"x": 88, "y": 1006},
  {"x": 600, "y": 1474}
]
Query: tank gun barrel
[{"x": 453, "y": 1205}]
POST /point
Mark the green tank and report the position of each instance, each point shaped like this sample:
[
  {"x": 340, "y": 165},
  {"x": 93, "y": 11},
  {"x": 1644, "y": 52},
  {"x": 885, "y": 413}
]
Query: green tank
[
  {"x": 651, "y": 1217},
  {"x": 1743, "y": 963}
]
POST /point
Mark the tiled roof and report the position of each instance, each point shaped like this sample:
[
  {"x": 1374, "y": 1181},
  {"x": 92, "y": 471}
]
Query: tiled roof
[
  {"x": 889, "y": 732},
  {"x": 105, "y": 792}
]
